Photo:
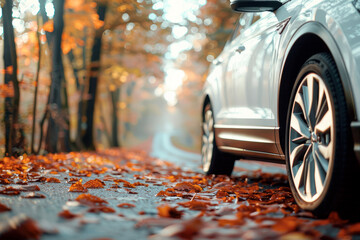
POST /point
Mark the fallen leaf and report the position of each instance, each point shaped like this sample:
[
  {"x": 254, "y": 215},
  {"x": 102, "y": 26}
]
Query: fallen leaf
[
  {"x": 126, "y": 205},
  {"x": 140, "y": 184},
  {"x": 77, "y": 187},
  {"x": 103, "y": 209},
  {"x": 34, "y": 195},
  {"x": 96, "y": 183},
  {"x": 20, "y": 228},
  {"x": 10, "y": 191},
  {"x": 29, "y": 188},
  {"x": 168, "y": 211},
  {"x": 287, "y": 224},
  {"x": 196, "y": 205},
  {"x": 353, "y": 229},
  {"x": 4, "y": 208},
  {"x": 185, "y": 230},
  {"x": 52, "y": 180},
  {"x": 221, "y": 194},
  {"x": 90, "y": 200},
  {"x": 67, "y": 214},
  {"x": 187, "y": 187}
]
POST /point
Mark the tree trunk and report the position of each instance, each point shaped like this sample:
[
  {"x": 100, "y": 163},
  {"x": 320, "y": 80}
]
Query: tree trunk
[
  {"x": 80, "y": 86},
  {"x": 14, "y": 136},
  {"x": 114, "y": 100},
  {"x": 49, "y": 41},
  {"x": 32, "y": 149},
  {"x": 57, "y": 132},
  {"x": 88, "y": 138}
]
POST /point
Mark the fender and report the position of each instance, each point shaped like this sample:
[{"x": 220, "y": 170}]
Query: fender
[{"x": 316, "y": 28}]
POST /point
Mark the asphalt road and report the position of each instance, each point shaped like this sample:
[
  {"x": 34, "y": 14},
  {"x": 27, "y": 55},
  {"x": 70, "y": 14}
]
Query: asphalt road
[
  {"x": 98, "y": 225},
  {"x": 139, "y": 221}
]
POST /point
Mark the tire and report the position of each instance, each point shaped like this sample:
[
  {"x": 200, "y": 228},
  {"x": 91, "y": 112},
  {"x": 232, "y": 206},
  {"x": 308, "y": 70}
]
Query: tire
[
  {"x": 317, "y": 139},
  {"x": 213, "y": 160}
]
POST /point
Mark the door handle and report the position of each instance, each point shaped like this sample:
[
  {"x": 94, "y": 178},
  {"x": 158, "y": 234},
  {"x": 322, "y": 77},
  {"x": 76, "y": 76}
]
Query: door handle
[{"x": 240, "y": 48}]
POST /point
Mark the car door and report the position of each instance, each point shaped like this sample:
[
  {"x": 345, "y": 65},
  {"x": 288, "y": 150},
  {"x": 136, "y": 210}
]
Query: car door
[
  {"x": 242, "y": 23},
  {"x": 249, "y": 75}
]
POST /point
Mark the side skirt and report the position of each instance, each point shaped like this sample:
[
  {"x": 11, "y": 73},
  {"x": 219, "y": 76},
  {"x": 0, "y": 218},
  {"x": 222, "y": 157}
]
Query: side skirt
[{"x": 249, "y": 142}]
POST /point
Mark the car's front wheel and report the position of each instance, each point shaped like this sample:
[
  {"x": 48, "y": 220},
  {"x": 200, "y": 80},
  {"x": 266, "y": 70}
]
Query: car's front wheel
[
  {"x": 213, "y": 160},
  {"x": 317, "y": 136}
]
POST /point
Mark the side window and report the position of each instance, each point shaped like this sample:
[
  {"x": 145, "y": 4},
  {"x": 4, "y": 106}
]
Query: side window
[{"x": 244, "y": 22}]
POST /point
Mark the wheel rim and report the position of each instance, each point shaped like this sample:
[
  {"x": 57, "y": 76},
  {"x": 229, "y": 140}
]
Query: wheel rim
[
  {"x": 311, "y": 138},
  {"x": 207, "y": 140}
]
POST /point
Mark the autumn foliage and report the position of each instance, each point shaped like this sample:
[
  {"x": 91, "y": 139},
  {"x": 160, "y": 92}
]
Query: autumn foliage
[{"x": 188, "y": 204}]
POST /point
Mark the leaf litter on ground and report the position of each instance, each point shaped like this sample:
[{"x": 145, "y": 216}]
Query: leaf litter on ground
[{"x": 190, "y": 205}]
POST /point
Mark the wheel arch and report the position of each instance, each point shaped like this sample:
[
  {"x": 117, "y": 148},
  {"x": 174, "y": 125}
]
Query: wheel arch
[{"x": 310, "y": 39}]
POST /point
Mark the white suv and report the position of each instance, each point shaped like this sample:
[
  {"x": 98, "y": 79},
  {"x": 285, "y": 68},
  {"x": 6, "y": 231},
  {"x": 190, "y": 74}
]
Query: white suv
[{"x": 286, "y": 88}]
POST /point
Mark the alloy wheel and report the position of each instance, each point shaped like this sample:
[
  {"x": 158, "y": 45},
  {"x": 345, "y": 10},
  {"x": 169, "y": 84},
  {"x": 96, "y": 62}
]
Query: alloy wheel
[
  {"x": 311, "y": 137},
  {"x": 207, "y": 139}
]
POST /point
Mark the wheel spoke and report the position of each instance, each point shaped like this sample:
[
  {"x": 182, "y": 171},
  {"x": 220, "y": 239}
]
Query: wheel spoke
[
  {"x": 305, "y": 171},
  {"x": 325, "y": 123},
  {"x": 205, "y": 140},
  {"x": 321, "y": 100},
  {"x": 210, "y": 124},
  {"x": 205, "y": 129},
  {"x": 312, "y": 101},
  {"x": 319, "y": 180},
  {"x": 204, "y": 150},
  {"x": 305, "y": 96},
  {"x": 211, "y": 137},
  {"x": 325, "y": 151},
  {"x": 299, "y": 175},
  {"x": 209, "y": 153},
  {"x": 321, "y": 167},
  {"x": 310, "y": 189},
  {"x": 296, "y": 154},
  {"x": 310, "y": 90},
  {"x": 298, "y": 124},
  {"x": 299, "y": 100}
]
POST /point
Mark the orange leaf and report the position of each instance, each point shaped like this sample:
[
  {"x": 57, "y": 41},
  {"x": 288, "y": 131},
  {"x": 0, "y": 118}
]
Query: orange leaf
[
  {"x": 221, "y": 194},
  {"x": 140, "y": 184},
  {"x": 96, "y": 183},
  {"x": 67, "y": 214},
  {"x": 104, "y": 209},
  {"x": 167, "y": 211},
  {"x": 90, "y": 200},
  {"x": 21, "y": 228},
  {"x": 52, "y": 180},
  {"x": 353, "y": 229},
  {"x": 77, "y": 187},
  {"x": 4, "y": 208},
  {"x": 187, "y": 187},
  {"x": 126, "y": 205},
  {"x": 196, "y": 205}
]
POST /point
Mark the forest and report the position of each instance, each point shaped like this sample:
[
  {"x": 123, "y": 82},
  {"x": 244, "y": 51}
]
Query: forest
[{"x": 86, "y": 75}]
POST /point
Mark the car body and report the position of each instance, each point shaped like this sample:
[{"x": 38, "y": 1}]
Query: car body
[{"x": 253, "y": 84}]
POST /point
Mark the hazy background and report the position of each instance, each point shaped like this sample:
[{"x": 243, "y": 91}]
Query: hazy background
[{"x": 154, "y": 60}]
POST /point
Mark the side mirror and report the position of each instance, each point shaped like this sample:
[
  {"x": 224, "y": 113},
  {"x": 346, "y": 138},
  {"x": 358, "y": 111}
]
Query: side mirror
[{"x": 254, "y": 5}]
